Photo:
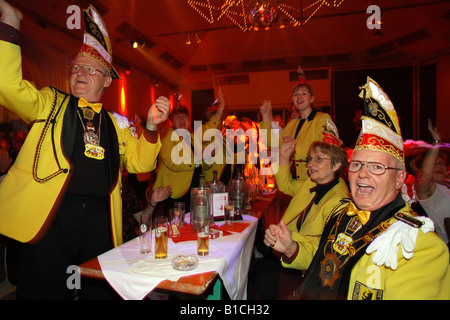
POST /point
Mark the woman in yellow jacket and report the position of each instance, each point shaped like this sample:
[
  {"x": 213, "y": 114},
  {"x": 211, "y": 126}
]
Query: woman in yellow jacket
[
  {"x": 312, "y": 200},
  {"x": 309, "y": 127},
  {"x": 305, "y": 216},
  {"x": 62, "y": 194}
]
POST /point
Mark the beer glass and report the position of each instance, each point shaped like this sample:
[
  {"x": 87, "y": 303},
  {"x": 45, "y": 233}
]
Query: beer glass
[
  {"x": 229, "y": 213},
  {"x": 145, "y": 232},
  {"x": 180, "y": 207},
  {"x": 174, "y": 223},
  {"x": 202, "y": 226},
  {"x": 161, "y": 237}
]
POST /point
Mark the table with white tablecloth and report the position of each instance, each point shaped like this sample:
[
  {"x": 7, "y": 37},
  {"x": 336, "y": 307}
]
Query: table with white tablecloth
[{"x": 134, "y": 275}]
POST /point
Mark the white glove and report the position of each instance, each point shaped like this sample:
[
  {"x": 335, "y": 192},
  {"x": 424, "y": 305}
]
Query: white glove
[{"x": 385, "y": 246}]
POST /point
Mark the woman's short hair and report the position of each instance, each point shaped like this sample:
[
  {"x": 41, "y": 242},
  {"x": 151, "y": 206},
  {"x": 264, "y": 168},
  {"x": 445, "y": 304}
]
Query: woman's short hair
[
  {"x": 303, "y": 85},
  {"x": 179, "y": 110},
  {"x": 337, "y": 154}
]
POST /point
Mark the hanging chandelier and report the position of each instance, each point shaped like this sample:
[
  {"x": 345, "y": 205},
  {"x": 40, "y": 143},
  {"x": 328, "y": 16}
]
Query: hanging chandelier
[
  {"x": 262, "y": 13},
  {"x": 256, "y": 14}
]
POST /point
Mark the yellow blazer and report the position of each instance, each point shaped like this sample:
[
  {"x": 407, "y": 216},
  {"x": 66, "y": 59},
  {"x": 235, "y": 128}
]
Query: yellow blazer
[
  {"x": 426, "y": 276},
  {"x": 312, "y": 130},
  {"x": 34, "y": 186},
  {"x": 308, "y": 237}
]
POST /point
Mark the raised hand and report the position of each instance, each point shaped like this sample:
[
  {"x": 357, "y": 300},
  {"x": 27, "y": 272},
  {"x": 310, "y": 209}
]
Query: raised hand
[
  {"x": 279, "y": 237},
  {"x": 158, "y": 112},
  {"x": 266, "y": 110},
  {"x": 287, "y": 149},
  {"x": 10, "y": 15}
]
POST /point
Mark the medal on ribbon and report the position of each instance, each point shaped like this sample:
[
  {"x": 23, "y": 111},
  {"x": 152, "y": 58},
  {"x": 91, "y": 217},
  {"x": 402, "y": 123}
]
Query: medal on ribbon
[
  {"x": 92, "y": 148},
  {"x": 94, "y": 152},
  {"x": 342, "y": 243},
  {"x": 88, "y": 113},
  {"x": 329, "y": 270}
]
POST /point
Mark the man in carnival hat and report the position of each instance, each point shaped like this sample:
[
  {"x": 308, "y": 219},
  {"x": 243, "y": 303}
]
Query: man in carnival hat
[
  {"x": 61, "y": 197},
  {"x": 374, "y": 246}
]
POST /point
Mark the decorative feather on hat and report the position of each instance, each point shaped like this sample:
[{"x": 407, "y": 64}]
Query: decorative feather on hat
[
  {"x": 96, "y": 41},
  {"x": 380, "y": 126},
  {"x": 330, "y": 134},
  {"x": 301, "y": 75}
]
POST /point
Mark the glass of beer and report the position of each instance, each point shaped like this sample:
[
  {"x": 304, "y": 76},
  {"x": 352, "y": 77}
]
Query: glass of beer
[
  {"x": 229, "y": 213},
  {"x": 203, "y": 235},
  {"x": 180, "y": 208},
  {"x": 161, "y": 237},
  {"x": 174, "y": 223}
]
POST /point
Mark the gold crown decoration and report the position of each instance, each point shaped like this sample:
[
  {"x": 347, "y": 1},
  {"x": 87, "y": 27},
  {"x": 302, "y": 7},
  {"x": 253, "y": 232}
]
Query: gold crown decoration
[
  {"x": 96, "y": 41},
  {"x": 380, "y": 126}
]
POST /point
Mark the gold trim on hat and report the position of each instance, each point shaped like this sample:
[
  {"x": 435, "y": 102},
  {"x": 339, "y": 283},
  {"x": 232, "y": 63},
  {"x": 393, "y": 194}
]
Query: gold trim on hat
[{"x": 375, "y": 143}]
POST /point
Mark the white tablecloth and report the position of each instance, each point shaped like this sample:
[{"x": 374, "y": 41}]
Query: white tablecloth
[{"x": 134, "y": 275}]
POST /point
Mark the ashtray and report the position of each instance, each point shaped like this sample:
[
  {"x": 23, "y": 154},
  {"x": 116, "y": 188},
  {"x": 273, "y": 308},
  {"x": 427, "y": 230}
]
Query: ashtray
[{"x": 184, "y": 263}]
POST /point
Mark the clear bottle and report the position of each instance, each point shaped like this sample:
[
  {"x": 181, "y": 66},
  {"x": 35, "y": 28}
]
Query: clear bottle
[
  {"x": 200, "y": 201},
  {"x": 215, "y": 185},
  {"x": 238, "y": 194},
  {"x": 219, "y": 197}
]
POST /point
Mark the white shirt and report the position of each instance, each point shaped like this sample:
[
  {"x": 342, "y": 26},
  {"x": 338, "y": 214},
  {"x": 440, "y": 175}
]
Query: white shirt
[{"x": 437, "y": 208}]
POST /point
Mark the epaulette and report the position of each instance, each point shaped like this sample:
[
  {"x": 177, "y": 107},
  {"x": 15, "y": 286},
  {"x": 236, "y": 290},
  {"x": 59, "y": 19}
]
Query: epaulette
[{"x": 408, "y": 219}]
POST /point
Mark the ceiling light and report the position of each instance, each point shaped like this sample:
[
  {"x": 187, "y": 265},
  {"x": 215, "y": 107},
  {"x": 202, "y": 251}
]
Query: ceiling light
[
  {"x": 197, "y": 38},
  {"x": 188, "y": 38},
  {"x": 138, "y": 44},
  {"x": 263, "y": 12},
  {"x": 248, "y": 14}
]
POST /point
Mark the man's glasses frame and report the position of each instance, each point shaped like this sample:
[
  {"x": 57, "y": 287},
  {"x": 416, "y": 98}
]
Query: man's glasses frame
[
  {"x": 86, "y": 69},
  {"x": 375, "y": 168}
]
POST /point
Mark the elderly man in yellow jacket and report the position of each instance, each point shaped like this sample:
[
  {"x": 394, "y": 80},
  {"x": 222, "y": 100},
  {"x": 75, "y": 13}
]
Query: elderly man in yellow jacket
[
  {"x": 375, "y": 247},
  {"x": 62, "y": 195}
]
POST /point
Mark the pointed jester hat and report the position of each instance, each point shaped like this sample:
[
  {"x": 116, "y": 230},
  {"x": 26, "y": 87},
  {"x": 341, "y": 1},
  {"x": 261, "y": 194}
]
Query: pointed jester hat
[
  {"x": 380, "y": 126},
  {"x": 96, "y": 41}
]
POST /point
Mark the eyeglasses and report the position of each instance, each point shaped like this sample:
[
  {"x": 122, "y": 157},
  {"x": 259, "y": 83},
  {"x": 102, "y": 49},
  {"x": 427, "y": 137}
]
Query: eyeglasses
[
  {"x": 316, "y": 159},
  {"x": 373, "y": 167},
  {"x": 87, "y": 69},
  {"x": 440, "y": 163}
]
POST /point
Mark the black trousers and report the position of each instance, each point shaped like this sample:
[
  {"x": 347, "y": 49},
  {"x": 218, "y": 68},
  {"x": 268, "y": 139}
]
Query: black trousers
[
  {"x": 79, "y": 232},
  {"x": 269, "y": 280}
]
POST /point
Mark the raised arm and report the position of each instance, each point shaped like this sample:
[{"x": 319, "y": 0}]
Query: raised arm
[
  {"x": 425, "y": 186},
  {"x": 10, "y": 15}
]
